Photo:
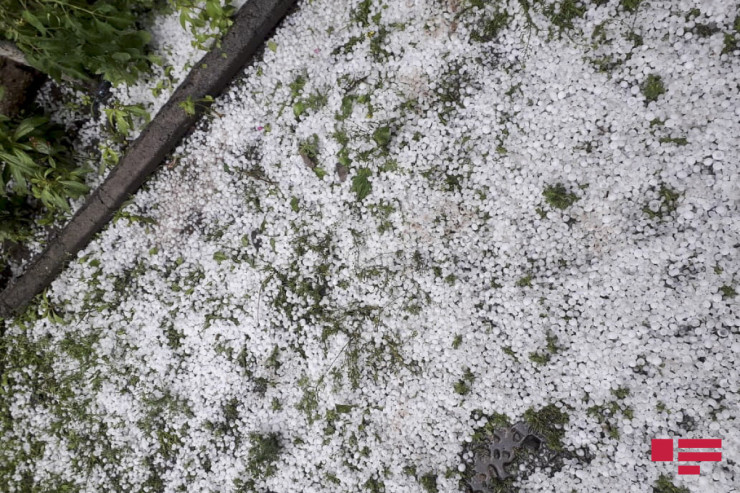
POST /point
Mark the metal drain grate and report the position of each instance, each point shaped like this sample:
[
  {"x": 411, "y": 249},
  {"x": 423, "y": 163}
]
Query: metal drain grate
[{"x": 492, "y": 456}]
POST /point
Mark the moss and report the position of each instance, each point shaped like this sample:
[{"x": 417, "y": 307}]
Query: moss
[{"x": 549, "y": 422}]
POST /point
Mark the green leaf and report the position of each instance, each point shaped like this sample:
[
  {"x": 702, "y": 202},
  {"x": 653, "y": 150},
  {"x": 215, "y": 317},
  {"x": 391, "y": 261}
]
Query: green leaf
[
  {"x": 42, "y": 147},
  {"x": 75, "y": 187},
  {"x": 28, "y": 125},
  {"x": 188, "y": 106},
  {"x": 382, "y": 136},
  {"x": 34, "y": 21},
  {"x": 213, "y": 9},
  {"x": 59, "y": 202},
  {"x": 19, "y": 161},
  {"x": 138, "y": 110},
  {"x": 272, "y": 46},
  {"x": 299, "y": 108},
  {"x": 121, "y": 56},
  {"x": 361, "y": 184}
]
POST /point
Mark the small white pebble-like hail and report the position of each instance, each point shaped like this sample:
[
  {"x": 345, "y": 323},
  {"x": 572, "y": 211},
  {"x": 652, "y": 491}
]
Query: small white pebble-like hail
[{"x": 207, "y": 325}]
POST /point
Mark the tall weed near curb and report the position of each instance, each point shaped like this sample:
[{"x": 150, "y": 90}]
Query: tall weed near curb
[
  {"x": 76, "y": 39},
  {"x": 82, "y": 40},
  {"x": 35, "y": 162}
]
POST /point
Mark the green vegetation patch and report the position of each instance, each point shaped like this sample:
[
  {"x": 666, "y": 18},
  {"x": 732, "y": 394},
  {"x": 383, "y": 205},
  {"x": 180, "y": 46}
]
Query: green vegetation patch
[
  {"x": 664, "y": 485},
  {"x": 557, "y": 196},
  {"x": 652, "y": 88},
  {"x": 361, "y": 184},
  {"x": 563, "y": 14},
  {"x": 549, "y": 422}
]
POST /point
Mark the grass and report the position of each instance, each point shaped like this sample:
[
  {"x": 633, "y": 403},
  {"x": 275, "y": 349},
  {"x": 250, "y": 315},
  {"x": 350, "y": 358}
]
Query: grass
[
  {"x": 652, "y": 88},
  {"x": 489, "y": 27},
  {"x": 727, "y": 291},
  {"x": 525, "y": 281},
  {"x": 730, "y": 44},
  {"x": 563, "y": 14},
  {"x": 457, "y": 341},
  {"x": 450, "y": 90},
  {"x": 493, "y": 422},
  {"x": 296, "y": 87},
  {"x": 429, "y": 482},
  {"x": 621, "y": 392},
  {"x": 361, "y": 13},
  {"x": 539, "y": 358},
  {"x": 510, "y": 352},
  {"x": 377, "y": 41},
  {"x": 557, "y": 196},
  {"x": 607, "y": 414},
  {"x": 630, "y": 6},
  {"x": 668, "y": 203},
  {"x": 464, "y": 385},
  {"x": 266, "y": 449},
  {"x": 679, "y": 141},
  {"x": 543, "y": 357}
]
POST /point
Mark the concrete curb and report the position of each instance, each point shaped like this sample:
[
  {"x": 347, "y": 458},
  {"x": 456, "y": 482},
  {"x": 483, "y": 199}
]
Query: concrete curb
[{"x": 209, "y": 77}]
